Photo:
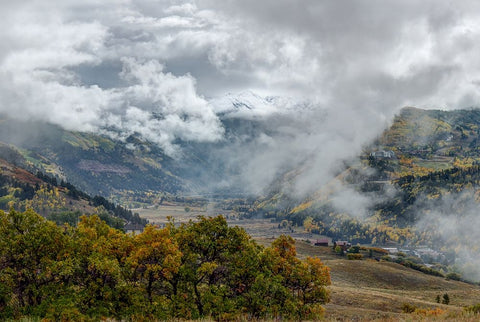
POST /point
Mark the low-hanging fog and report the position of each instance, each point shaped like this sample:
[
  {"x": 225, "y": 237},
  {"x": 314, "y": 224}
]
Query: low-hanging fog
[{"x": 320, "y": 79}]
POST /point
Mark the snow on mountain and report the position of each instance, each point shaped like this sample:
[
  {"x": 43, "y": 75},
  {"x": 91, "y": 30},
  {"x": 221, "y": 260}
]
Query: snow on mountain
[{"x": 249, "y": 105}]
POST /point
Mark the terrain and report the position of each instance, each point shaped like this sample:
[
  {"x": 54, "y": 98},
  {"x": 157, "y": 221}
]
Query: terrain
[
  {"x": 416, "y": 186},
  {"x": 369, "y": 289},
  {"x": 366, "y": 289},
  {"x": 23, "y": 187}
]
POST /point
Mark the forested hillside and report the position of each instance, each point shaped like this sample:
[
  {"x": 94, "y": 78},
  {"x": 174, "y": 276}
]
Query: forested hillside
[
  {"x": 55, "y": 199},
  {"x": 422, "y": 171},
  {"x": 96, "y": 164}
]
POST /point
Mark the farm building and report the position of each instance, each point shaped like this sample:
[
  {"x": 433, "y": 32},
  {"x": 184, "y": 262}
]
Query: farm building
[
  {"x": 322, "y": 242},
  {"x": 342, "y": 243}
]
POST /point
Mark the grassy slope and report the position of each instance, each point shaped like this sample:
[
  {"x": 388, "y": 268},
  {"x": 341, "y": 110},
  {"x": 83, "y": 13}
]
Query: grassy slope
[{"x": 369, "y": 290}]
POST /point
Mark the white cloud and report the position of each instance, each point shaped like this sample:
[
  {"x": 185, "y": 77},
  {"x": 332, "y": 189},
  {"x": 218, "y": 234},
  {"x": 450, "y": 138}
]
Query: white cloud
[{"x": 355, "y": 64}]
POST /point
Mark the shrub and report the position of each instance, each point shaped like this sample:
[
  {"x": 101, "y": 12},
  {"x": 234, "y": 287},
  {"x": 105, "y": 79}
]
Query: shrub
[
  {"x": 475, "y": 309},
  {"x": 446, "y": 299},
  {"x": 408, "y": 308},
  {"x": 422, "y": 268},
  {"x": 453, "y": 276},
  {"x": 379, "y": 250},
  {"x": 430, "y": 312},
  {"x": 386, "y": 258},
  {"x": 354, "y": 249},
  {"x": 338, "y": 250},
  {"x": 354, "y": 256}
]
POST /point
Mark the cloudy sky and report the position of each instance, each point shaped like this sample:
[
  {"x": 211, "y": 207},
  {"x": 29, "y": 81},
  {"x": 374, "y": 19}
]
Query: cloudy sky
[{"x": 158, "y": 67}]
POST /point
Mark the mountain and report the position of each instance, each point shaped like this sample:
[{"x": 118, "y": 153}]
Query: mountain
[
  {"x": 95, "y": 163},
  {"x": 136, "y": 172}
]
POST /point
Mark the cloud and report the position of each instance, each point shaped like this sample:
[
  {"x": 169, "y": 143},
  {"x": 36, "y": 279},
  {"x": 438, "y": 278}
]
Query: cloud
[
  {"x": 39, "y": 82},
  {"x": 328, "y": 76}
]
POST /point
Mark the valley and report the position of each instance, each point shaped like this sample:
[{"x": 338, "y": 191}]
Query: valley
[
  {"x": 199, "y": 160},
  {"x": 415, "y": 188}
]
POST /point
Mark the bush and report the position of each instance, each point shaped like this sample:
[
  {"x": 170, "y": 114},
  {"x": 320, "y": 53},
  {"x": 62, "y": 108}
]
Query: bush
[
  {"x": 339, "y": 250},
  {"x": 446, "y": 299},
  {"x": 475, "y": 309},
  {"x": 354, "y": 249},
  {"x": 386, "y": 258},
  {"x": 379, "y": 250},
  {"x": 354, "y": 256},
  {"x": 454, "y": 276},
  {"x": 408, "y": 308},
  {"x": 422, "y": 268}
]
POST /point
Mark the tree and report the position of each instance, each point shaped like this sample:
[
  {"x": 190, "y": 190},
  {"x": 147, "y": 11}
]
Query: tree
[
  {"x": 154, "y": 259},
  {"x": 200, "y": 269},
  {"x": 299, "y": 287},
  {"x": 32, "y": 259},
  {"x": 218, "y": 264},
  {"x": 446, "y": 299},
  {"x": 100, "y": 253}
]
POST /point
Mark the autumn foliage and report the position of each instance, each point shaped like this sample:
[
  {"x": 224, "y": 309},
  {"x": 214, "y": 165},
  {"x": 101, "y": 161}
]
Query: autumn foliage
[{"x": 202, "y": 269}]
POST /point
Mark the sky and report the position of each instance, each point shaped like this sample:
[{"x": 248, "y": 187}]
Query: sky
[{"x": 159, "y": 68}]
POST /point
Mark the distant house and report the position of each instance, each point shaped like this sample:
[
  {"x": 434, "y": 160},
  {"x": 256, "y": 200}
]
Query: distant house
[
  {"x": 345, "y": 245},
  {"x": 133, "y": 228},
  {"x": 382, "y": 154},
  {"x": 322, "y": 242}
]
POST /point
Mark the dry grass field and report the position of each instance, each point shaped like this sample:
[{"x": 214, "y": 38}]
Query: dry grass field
[
  {"x": 361, "y": 290},
  {"x": 368, "y": 290},
  {"x": 256, "y": 227}
]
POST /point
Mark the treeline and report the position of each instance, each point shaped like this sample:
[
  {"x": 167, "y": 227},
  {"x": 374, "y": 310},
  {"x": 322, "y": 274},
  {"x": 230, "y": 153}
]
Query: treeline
[
  {"x": 201, "y": 269},
  {"x": 24, "y": 191},
  {"x": 444, "y": 178},
  {"x": 115, "y": 210}
]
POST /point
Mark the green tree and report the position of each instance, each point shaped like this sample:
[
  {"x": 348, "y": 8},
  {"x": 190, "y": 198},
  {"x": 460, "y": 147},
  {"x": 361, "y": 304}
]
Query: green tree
[
  {"x": 33, "y": 261},
  {"x": 446, "y": 299},
  {"x": 218, "y": 264},
  {"x": 100, "y": 253}
]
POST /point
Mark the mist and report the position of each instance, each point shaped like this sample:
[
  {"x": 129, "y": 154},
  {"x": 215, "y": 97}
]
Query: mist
[{"x": 453, "y": 224}]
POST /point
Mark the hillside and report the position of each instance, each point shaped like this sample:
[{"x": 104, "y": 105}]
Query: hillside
[
  {"x": 54, "y": 199},
  {"x": 417, "y": 185},
  {"x": 370, "y": 289},
  {"x": 94, "y": 163}
]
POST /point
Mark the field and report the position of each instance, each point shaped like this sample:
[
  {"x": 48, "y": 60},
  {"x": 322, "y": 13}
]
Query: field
[
  {"x": 361, "y": 290},
  {"x": 256, "y": 227},
  {"x": 369, "y": 289}
]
